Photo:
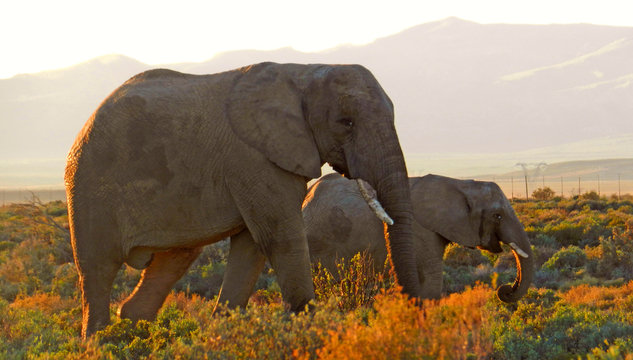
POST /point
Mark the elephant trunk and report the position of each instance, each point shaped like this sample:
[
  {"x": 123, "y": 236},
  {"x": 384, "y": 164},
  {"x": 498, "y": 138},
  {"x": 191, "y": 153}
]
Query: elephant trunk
[
  {"x": 393, "y": 193},
  {"x": 518, "y": 241},
  {"x": 379, "y": 161}
]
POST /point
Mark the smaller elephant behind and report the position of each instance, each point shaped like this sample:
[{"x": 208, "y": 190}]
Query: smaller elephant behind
[{"x": 339, "y": 224}]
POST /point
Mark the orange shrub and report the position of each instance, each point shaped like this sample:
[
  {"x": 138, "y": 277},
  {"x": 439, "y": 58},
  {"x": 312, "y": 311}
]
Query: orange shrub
[
  {"x": 48, "y": 303},
  {"x": 448, "y": 328},
  {"x": 601, "y": 297}
]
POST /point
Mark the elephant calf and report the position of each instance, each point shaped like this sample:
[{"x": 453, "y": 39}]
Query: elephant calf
[{"x": 471, "y": 213}]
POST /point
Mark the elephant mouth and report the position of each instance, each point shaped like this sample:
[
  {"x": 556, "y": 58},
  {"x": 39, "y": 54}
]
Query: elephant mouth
[
  {"x": 339, "y": 170},
  {"x": 494, "y": 246}
]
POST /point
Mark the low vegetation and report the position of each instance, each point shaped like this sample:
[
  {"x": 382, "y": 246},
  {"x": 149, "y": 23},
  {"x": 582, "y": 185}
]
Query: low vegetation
[{"x": 580, "y": 306}]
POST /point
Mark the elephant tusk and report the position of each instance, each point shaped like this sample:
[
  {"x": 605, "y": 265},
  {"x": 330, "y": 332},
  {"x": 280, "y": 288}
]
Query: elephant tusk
[
  {"x": 374, "y": 204},
  {"x": 518, "y": 250}
]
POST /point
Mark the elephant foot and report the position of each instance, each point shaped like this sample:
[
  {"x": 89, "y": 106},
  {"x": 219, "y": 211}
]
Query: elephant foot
[
  {"x": 307, "y": 307},
  {"x": 135, "y": 312}
]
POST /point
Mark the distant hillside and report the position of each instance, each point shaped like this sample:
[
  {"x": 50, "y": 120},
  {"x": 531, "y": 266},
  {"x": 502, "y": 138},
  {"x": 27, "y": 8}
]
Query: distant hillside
[
  {"x": 459, "y": 87},
  {"x": 40, "y": 114},
  {"x": 487, "y": 165},
  {"x": 607, "y": 169},
  {"x": 606, "y": 177}
]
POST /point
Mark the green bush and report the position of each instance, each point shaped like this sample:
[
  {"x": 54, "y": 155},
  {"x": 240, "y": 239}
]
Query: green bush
[
  {"x": 591, "y": 195},
  {"x": 567, "y": 261},
  {"x": 457, "y": 279},
  {"x": 620, "y": 349},
  {"x": 613, "y": 257},
  {"x": 456, "y": 255},
  {"x": 204, "y": 277},
  {"x": 545, "y": 193},
  {"x": 124, "y": 340},
  {"x": 545, "y": 327},
  {"x": 565, "y": 233},
  {"x": 35, "y": 243},
  {"x": 544, "y": 240},
  {"x": 39, "y": 326},
  {"x": 548, "y": 278}
]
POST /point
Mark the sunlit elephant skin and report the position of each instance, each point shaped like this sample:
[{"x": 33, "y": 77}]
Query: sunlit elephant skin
[
  {"x": 339, "y": 224},
  {"x": 170, "y": 162}
]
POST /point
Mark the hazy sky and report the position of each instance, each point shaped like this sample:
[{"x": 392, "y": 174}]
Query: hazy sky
[{"x": 37, "y": 35}]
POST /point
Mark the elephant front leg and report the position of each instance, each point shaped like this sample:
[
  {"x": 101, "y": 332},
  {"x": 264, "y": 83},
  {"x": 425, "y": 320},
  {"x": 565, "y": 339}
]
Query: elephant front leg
[
  {"x": 243, "y": 266},
  {"x": 286, "y": 250},
  {"x": 429, "y": 253},
  {"x": 431, "y": 278},
  {"x": 271, "y": 209},
  {"x": 156, "y": 282},
  {"x": 290, "y": 259}
]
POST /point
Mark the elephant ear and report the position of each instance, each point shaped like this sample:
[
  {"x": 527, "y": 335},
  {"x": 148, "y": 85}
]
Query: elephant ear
[
  {"x": 265, "y": 111},
  {"x": 440, "y": 205}
]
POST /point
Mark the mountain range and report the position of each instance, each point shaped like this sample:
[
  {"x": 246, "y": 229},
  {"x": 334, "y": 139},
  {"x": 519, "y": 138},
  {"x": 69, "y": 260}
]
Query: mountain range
[{"x": 458, "y": 87}]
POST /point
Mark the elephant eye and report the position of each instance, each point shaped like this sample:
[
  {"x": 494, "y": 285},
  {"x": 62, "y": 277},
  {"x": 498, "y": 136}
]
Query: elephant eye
[
  {"x": 498, "y": 217},
  {"x": 347, "y": 122}
]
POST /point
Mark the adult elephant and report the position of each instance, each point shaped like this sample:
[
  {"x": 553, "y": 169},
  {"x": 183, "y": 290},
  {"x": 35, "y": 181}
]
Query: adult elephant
[
  {"x": 471, "y": 213},
  {"x": 170, "y": 162}
]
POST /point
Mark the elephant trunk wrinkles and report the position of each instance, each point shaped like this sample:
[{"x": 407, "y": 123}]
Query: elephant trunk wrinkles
[
  {"x": 394, "y": 194},
  {"x": 525, "y": 266}
]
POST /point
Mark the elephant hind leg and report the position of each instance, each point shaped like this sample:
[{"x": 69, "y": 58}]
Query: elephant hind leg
[
  {"x": 165, "y": 268},
  {"x": 243, "y": 267},
  {"x": 95, "y": 240},
  {"x": 96, "y": 285}
]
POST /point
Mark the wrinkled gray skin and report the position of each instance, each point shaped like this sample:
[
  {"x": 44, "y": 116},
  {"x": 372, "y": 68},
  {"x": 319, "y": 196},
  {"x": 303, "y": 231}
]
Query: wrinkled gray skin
[
  {"x": 170, "y": 162},
  {"x": 339, "y": 224}
]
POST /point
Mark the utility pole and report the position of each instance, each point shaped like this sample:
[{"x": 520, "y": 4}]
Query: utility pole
[
  {"x": 598, "y": 185},
  {"x": 619, "y": 192},
  {"x": 562, "y": 193},
  {"x": 579, "y": 186},
  {"x": 526, "y": 188}
]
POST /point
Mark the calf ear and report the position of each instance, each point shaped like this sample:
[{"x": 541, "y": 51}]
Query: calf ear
[
  {"x": 265, "y": 111},
  {"x": 440, "y": 205}
]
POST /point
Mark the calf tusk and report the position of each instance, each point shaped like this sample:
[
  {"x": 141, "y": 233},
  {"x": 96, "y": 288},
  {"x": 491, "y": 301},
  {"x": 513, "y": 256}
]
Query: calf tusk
[
  {"x": 518, "y": 250},
  {"x": 369, "y": 195}
]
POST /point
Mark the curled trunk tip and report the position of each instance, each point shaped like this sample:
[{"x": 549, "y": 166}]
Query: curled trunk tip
[{"x": 512, "y": 293}]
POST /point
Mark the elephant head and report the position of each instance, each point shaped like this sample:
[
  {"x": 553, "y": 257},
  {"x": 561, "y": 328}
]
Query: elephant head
[
  {"x": 301, "y": 117},
  {"x": 474, "y": 214}
]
